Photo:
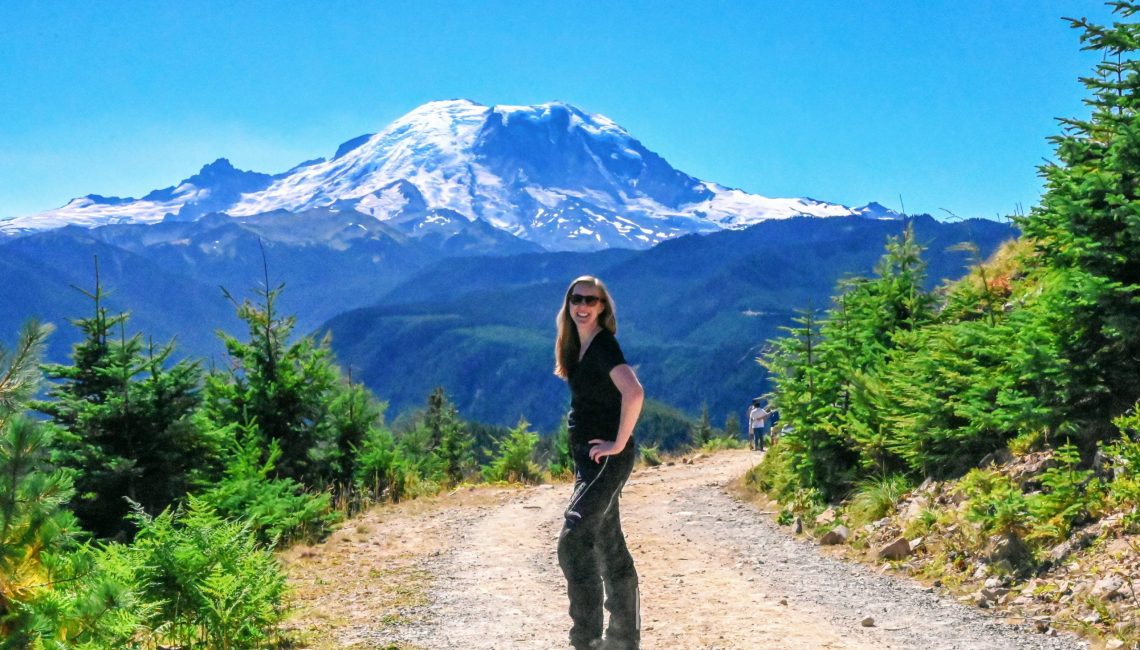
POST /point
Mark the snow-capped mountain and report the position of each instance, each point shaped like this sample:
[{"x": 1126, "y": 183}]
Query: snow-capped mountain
[{"x": 550, "y": 174}]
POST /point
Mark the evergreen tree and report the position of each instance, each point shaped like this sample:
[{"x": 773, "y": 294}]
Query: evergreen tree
[
  {"x": 19, "y": 375},
  {"x": 954, "y": 397},
  {"x": 33, "y": 521},
  {"x": 829, "y": 375},
  {"x": 353, "y": 414},
  {"x": 53, "y": 594},
  {"x": 1041, "y": 340},
  {"x": 732, "y": 426},
  {"x": 703, "y": 430},
  {"x": 808, "y": 396},
  {"x": 559, "y": 460},
  {"x": 1086, "y": 233},
  {"x": 440, "y": 412},
  {"x": 514, "y": 457},
  {"x": 284, "y": 391},
  {"x": 413, "y": 448},
  {"x": 451, "y": 440},
  {"x": 870, "y": 318},
  {"x": 380, "y": 471},
  {"x": 900, "y": 274},
  {"x": 121, "y": 419},
  {"x": 485, "y": 437}
]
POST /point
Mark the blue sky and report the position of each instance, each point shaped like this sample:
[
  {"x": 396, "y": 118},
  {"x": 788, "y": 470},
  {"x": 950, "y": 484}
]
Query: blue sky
[{"x": 947, "y": 104}]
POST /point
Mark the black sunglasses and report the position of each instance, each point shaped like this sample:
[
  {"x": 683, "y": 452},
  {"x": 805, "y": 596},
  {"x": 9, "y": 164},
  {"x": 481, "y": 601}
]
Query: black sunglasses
[{"x": 577, "y": 299}]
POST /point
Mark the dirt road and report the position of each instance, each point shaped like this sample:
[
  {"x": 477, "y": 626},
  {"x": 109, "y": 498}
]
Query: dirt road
[{"x": 476, "y": 570}]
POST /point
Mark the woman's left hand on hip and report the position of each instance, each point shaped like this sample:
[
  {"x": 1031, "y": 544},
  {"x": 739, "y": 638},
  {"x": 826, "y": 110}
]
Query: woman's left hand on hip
[{"x": 600, "y": 448}]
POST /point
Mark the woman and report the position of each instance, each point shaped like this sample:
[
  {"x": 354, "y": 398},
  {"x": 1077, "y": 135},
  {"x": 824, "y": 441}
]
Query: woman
[{"x": 605, "y": 400}]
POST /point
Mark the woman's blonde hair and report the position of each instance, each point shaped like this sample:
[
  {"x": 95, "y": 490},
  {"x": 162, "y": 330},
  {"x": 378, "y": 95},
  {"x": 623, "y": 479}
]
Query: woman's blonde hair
[{"x": 567, "y": 347}]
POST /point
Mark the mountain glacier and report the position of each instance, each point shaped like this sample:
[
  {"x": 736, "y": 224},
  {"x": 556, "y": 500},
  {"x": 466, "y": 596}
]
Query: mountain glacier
[{"x": 550, "y": 174}]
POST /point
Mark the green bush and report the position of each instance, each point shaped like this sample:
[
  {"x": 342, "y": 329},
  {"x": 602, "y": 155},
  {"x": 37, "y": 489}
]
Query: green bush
[
  {"x": 93, "y": 602},
  {"x": 380, "y": 472},
  {"x": 1028, "y": 350},
  {"x": 278, "y": 510},
  {"x": 1027, "y": 442},
  {"x": 514, "y": 457},
  {"x": 996, "y": 503},
  {"x": 561, "y": 463},
  {"x": 416, "y": 487},
  {"x": 214, "y": 584},
  {"x": 921, "y": 525},
  {"x": 1124, "y": 490},
  {"x": 651, "y": 456},
  {"x": 1069, "y": 496},
  {"x": 775, "y": 476},
  {"x": 806, "y": 503},
  {"x": 416, "y": 450}
]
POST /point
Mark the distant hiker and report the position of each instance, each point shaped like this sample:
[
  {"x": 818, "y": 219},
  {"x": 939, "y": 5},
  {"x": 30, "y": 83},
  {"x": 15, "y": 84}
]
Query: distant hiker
[
  {"x": 757, "y": 425},
  {"x": 605, "y": 402}
]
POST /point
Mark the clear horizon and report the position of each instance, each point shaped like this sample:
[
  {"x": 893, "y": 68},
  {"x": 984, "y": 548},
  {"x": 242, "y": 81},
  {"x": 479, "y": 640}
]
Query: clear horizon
[{"x": 936, "y": 107}]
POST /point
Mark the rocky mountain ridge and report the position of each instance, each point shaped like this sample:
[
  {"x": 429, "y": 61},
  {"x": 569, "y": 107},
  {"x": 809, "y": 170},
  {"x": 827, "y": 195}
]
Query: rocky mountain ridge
[{"x": 550, "y": 174}]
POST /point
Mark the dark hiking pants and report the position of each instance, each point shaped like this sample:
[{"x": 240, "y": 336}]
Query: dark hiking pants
[{"x": 593, "y": 554}]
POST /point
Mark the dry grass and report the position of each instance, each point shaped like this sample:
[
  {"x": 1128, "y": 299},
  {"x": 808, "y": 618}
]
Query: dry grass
[{"x": 369, "y": 575}]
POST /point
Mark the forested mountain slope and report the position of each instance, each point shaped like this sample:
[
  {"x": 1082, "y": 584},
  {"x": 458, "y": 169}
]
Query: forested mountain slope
[{"x": 693, "y": 313}]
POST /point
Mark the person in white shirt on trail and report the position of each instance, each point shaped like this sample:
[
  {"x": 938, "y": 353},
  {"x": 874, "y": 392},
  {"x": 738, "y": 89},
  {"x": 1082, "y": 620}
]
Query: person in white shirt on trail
[{"x": 757, "y": 424}]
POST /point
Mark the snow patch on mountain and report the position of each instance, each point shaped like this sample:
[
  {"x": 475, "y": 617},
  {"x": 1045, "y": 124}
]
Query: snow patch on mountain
[
  {"x": 550, "y": 173},
  {"x": 877, "y": 211},
  {"x": 424, "y": 148}
]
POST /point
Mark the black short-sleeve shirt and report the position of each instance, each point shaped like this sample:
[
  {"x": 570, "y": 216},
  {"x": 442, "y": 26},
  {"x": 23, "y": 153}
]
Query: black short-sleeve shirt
[{"x": 595, "y": 402}]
